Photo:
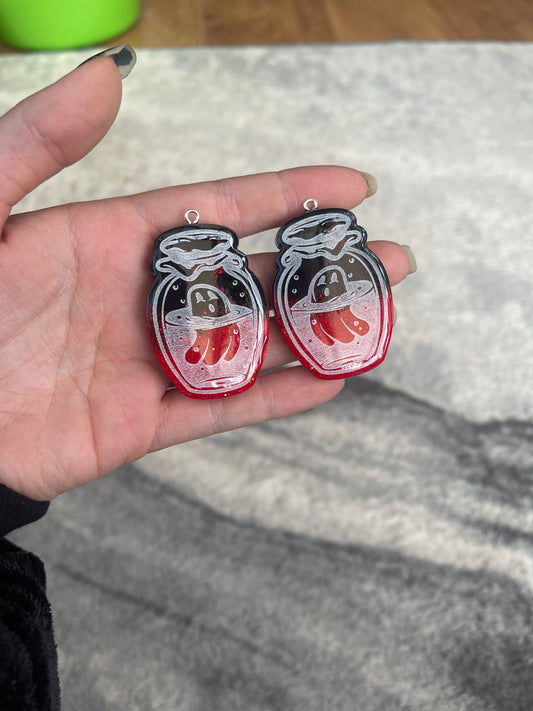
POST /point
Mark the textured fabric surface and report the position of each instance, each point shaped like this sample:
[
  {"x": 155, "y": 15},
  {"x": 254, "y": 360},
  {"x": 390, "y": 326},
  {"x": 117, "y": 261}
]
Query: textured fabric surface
[
  {"x": 28, "y": 657},
  {"x": 375, "y": 553}
]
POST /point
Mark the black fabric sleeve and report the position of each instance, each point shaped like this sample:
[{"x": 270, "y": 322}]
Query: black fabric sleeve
[
  {"x": 17, "y": 510},
  {"x": 28, "y": 657}
]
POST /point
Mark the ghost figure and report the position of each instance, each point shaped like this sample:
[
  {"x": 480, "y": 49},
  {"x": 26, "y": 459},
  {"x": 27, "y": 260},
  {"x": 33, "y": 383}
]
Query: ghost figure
[
  {"x": 215, "y": 319},
  {"x": 329, "y": 302}
]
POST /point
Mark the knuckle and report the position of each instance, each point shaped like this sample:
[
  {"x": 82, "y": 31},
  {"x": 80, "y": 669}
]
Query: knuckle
[
  {"x": 287, "y": 192},
  {"x": 227, "y": 205}
]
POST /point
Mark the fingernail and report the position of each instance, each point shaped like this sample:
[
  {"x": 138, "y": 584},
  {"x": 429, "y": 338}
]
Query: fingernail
[
  {"x": 123, "y": 55},
  {"x": 394, "y": 315},
  {"x": 411, "y": 258},
  {"x": 371, "y": 184}
]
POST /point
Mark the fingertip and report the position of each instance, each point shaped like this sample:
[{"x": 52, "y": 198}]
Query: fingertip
[
  {"x": 123, "y": 56},
  {"x": 75, "y": 112},
  {"x": 411, "y": 258},
  {"x": 56, "y": 127},
  {"x": 96, "y": 86},
  {"x": 330, "y": 185},
  {"x": 394, "y": 259},
  {"x": 371, "y": 184}
]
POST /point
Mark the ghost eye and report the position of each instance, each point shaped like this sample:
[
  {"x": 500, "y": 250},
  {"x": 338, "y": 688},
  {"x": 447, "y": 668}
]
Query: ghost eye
[
  {"x": 334, "y": 278},
  {"x": 199, "y": 297}
]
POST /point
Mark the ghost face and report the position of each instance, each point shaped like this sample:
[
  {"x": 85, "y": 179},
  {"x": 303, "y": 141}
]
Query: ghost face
[
  {"x": 330, "y": 284},
  {"x": 206, "y": 302}
]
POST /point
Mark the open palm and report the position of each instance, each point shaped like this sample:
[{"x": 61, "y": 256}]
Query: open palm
[{"x": 81, "y": 391}]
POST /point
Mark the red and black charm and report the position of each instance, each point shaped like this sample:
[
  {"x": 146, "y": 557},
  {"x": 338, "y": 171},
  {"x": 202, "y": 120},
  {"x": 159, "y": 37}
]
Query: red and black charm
[
  {"x": 206, "y": 311},
  {"x": 332, "y": 297}
]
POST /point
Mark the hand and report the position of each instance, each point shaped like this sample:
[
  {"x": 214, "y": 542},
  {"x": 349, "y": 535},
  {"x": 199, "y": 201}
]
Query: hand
[{"x": 81, "y": 391}]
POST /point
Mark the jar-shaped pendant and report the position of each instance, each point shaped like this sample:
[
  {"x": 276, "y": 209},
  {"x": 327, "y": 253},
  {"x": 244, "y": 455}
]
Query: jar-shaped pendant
[
  {"x": 206, "y": 312},
  {"x": 332, "y": 297}
]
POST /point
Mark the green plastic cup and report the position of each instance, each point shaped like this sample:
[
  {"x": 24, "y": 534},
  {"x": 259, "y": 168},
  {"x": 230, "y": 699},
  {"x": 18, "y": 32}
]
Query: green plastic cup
[{"x": 64, "y": 24}]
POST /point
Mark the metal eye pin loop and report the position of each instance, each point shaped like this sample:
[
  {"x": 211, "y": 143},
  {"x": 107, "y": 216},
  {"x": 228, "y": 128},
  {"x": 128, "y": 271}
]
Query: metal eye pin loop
[
  {"x": 195, "y": 219},
  {"x": 310, "y": 204}
]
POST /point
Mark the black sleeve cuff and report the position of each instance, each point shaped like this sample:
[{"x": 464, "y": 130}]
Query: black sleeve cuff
[{"x": 17, "y": 510}]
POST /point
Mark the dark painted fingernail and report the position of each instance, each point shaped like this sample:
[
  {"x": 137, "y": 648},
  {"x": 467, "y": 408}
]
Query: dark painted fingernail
[{"x": 123, "y": 55}]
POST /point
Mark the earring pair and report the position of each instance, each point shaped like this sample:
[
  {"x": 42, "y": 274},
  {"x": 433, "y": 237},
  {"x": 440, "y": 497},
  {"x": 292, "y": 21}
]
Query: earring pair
[{"x": 207, "y": 313}]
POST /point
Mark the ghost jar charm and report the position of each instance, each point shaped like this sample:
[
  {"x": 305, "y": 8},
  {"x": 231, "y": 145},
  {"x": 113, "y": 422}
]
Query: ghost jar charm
[
  {"x": 206, "y": 311},
  {"x": 332, "y": 297}
]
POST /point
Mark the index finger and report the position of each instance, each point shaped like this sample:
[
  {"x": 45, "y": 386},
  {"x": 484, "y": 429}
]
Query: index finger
[{"x": 253, "y": 203}]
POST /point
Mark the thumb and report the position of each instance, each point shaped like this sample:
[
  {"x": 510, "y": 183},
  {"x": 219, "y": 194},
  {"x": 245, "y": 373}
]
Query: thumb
[{"x": 59, "y": 124}]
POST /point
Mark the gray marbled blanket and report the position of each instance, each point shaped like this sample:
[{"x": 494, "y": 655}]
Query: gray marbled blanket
[{"x": 376, "y": 553}]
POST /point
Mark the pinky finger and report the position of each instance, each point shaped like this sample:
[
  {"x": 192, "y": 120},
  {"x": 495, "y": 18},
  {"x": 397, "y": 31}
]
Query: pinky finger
[{"x": 274, "y": 395}]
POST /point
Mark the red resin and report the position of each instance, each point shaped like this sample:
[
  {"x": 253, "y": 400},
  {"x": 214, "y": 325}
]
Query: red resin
[
  {"x": 337, "y": 326},
  {"x": 340, "y": 325},
  {"x": 228, "y": 355},
  {"x": 214, "y": 343}
]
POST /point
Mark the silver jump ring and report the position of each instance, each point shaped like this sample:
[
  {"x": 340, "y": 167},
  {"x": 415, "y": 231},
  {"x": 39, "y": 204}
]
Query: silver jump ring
[
  {"x": 310, "y": 204},
  {"x": 195, "y": 219}
]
